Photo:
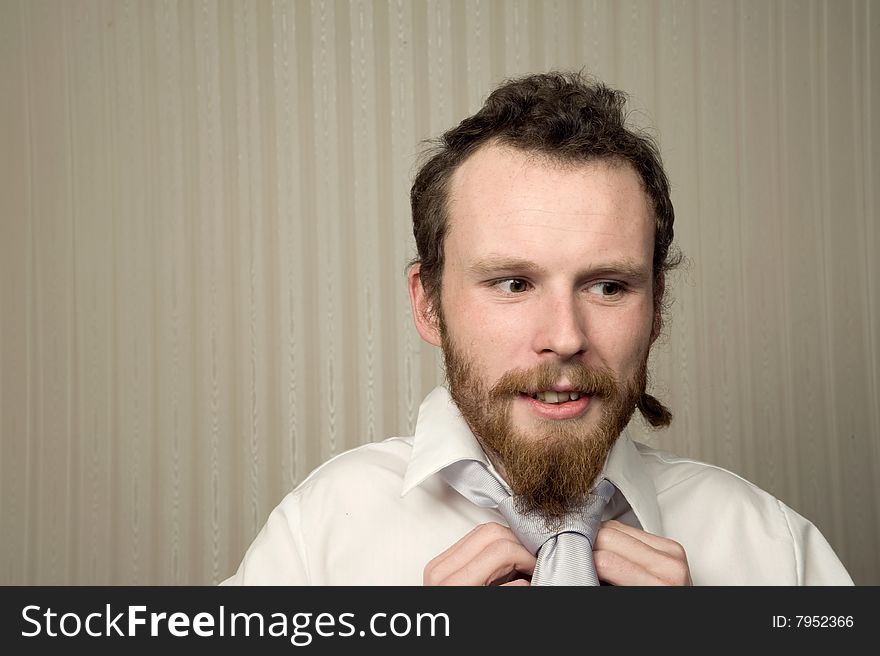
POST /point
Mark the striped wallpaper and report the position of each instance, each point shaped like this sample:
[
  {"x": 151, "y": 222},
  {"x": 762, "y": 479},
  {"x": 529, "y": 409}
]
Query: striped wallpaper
[{"x": 204, "y": 227}]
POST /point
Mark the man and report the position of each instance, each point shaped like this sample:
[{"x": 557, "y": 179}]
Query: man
[{"x": 544, "y": 231}]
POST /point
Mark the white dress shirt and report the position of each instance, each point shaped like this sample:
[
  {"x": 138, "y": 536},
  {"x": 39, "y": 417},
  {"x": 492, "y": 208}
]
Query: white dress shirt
[{"x": 377, "y": 514}]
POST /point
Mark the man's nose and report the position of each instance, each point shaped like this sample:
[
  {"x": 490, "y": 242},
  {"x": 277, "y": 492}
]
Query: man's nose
[{"x": 562, "y": 327}]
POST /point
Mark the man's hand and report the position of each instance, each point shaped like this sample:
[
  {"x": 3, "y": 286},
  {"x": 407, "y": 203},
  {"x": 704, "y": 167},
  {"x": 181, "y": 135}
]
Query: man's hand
[
  {"x": 629, "y": 556},
  {"x": 489, "y": 555}
]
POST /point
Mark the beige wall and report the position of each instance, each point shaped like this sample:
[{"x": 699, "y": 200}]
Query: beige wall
[{"x": 205, "y": 226}]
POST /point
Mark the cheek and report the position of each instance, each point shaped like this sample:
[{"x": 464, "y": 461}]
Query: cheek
[
  {"x": 623, "y": 344},
  {"x": 474, "y": 320},
  {"x": 496, "y": 340},
  {"x": 489, "y": 337}
]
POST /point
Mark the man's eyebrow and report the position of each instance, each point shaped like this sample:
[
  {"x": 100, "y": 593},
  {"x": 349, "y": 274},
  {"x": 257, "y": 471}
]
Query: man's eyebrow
[
  {"x": 497, "y": 265},
  {"x": 621, "y": 268}
]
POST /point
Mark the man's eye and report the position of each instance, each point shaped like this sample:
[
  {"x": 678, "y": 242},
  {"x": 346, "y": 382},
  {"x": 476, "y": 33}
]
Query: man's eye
[
  {"x": 607, "y": 288},
  {"x": 513, "y": 285}
]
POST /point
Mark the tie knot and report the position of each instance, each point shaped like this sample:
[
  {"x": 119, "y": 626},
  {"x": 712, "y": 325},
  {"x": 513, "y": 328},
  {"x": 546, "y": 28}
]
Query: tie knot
[
  {"x": 533, "y": 530},
  {"x": 475, "y": 482}
]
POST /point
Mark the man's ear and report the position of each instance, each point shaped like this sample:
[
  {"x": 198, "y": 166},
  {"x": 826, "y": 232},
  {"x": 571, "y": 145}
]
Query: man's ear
[
  {"x": 659, "y": 288},
  {"x": 424, "y": 314}
]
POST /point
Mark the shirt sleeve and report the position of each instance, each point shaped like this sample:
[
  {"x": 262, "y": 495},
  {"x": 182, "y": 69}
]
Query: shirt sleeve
[
  {"x": 816, "y": 562},
  {"x": 277, "y": 554}
]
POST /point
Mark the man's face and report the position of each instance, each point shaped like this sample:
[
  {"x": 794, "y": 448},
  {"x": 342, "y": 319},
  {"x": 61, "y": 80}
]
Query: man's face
[{"x": 547, "y": 313}]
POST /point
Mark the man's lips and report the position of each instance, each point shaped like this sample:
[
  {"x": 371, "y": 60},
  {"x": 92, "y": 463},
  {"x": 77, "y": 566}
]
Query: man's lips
[
  {"x": 566, "y": 410},
  {"x": 557, "y": 395}
]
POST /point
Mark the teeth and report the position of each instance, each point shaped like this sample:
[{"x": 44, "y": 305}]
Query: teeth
[{"x": 556, "y": 397}]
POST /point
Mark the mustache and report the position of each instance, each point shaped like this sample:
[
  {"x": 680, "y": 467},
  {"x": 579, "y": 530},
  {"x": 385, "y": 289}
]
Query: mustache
[{"x": 587, "y": 380}]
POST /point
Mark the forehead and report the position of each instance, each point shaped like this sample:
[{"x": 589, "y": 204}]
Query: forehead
[{"x": 506, "y": 199}]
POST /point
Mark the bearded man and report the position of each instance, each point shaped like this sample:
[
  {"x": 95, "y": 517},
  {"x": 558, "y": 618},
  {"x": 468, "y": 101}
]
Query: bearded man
[{"x": 544, "y": 230}]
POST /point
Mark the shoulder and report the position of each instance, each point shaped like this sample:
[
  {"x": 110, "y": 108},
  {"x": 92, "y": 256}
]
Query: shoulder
[
  {"x": 701, "y": 503},
  {"x": 367, "y": 467},
  {"x": 300, "y": 542},
  {"x": 735, "y": 532},
  {"x": 670, "y": 472},
  {"x": 356, "y": 482}
]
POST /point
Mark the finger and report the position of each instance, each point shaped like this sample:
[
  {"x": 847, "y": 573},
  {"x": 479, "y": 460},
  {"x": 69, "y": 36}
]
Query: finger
[
  {"x": 656, "y": 541},
  {"x": 637, "y": 550},
  {"x": 458, "y": 554},
  {"x": 628, "y": 558},
  {"x": 616, "y": 569},
  {"x": 499, "y": 562},
  {"x": 437, "y": 562},
  {"x": 458, "y": 557}
]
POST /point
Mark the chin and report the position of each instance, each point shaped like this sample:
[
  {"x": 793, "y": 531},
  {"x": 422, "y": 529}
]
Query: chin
[{"x": 552, "y": 431}]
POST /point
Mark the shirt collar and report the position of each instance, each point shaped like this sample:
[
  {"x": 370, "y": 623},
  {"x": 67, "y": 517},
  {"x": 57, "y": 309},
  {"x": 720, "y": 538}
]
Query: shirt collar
[{"x": 442, "y": 437}]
